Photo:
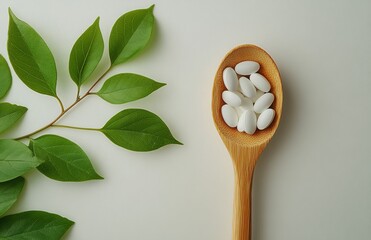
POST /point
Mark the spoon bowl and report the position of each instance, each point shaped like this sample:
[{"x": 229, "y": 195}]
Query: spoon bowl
[{"x": 245, "y": 149}]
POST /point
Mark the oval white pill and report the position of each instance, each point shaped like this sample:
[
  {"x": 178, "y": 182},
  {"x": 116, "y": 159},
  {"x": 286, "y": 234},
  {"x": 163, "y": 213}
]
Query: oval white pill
[
  {"x": 265, "y": 119},
  {"x": 247, "y": 67},
  {"x": 260, "y": 82},
  {"x": 230, "y": 79},
  {"x": 263, "y": 102},
  {"x": 231, "y": 98},
  {"x": 229, "y": 115},
  {"x": 250, "y": 122},
  {"x": 247, "y": 87},
  {"x": 241, "y": 125}
]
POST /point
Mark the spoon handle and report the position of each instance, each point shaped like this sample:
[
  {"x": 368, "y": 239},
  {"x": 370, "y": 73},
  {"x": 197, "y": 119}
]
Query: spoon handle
[
  {"x": 244, "y": 164},
  {"x": 242, "y": 204}
]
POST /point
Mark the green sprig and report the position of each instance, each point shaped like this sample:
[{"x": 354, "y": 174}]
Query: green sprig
[{"x": 54, "y": 156}]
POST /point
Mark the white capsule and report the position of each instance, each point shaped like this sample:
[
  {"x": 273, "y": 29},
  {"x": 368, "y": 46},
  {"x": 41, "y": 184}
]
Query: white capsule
[
  {"x": 247, "y": 87},
  {"x": 257, "y": 95},
  {"x": 232, "y": 98},
  {"x": 230, "y": 79},
  {"x": 246, "y": 104},
  {"x": 247, "y": 67},
  {"x": 229, "y": 115},
  {"x": 265, "y": 119},
  {"x": 263, "y": 102},
  {"x": 239, "y": 88},
  {"x": 241, "y": 125},
  {"x": 260, "y": 82},
  {"x": 250, "y": 122}
]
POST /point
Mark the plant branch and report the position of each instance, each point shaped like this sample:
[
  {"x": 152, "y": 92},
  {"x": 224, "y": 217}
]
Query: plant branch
[
  {"x": 40, "y": 129},
  {"x": 60, "y": 103},
  {"x": 64, "y": 111},
  {"x": 96, "y": 82},
  {"x": 74, "y": 127}
]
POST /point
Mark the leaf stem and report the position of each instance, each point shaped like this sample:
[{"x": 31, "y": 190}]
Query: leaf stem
[
  {"x": 78, "y": 92},
  {"x": 60, "y": 103},
  {"x": 74, "y": 127},
  {"x": 65, "y": 110}
]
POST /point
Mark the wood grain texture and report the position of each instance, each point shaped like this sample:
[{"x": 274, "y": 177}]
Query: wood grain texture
[{"x": 245, "y": 149}]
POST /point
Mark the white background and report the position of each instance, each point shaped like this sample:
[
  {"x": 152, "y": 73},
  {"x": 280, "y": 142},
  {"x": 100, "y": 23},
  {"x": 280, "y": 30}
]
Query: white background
[{"x": 312, "y": 182}]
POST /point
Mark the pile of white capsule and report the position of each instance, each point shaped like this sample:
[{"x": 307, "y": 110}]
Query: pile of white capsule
[{"x": 247, "y": 98}]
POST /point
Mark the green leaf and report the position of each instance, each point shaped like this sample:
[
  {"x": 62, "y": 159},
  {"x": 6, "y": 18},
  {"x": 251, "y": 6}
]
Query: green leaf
[
  {"x": 33, "y": 225},
  {"x": 138, "y": 130},
  {"x": 31, "y": 58},
  {"x": 5, "y": 77},
  {"x": 63, "y": 159},
  {"x": 127, "y": 87},
  {"x": 9, "y": 115},
  {"x": 130, "y": 34},
  {"x": 15, "y": 159},
  {"x": 9, "y": 192},
  {"x": 86, "y": 54}
]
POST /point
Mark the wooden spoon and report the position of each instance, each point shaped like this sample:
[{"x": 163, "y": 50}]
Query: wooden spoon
[{"x": 245, "y": 149}]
